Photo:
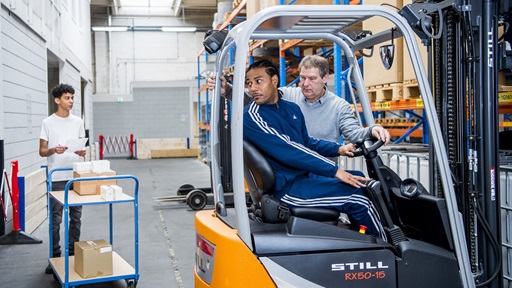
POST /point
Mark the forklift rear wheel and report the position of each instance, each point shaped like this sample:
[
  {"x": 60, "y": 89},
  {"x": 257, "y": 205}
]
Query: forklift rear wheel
[
  {"x": 196, "y": 199},
  {"x": 185, "y": 189}
]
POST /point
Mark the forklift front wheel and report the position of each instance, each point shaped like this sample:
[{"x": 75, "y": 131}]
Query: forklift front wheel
[{"x": 196, "y": 199}]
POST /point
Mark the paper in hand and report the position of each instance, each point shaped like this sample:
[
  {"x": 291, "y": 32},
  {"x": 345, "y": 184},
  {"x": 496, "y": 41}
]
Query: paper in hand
[{"x": 76, "y": 144}]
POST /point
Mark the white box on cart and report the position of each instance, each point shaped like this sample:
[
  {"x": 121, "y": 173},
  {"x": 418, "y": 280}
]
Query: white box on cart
[
  {"x": 118, "y": 192},
  {"x": 81, "y": 166},
  {"x": 106, "y": 193}
]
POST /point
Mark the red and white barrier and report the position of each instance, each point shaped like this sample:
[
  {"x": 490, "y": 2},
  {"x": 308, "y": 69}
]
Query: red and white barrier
[{"x": 117, "y": 146}]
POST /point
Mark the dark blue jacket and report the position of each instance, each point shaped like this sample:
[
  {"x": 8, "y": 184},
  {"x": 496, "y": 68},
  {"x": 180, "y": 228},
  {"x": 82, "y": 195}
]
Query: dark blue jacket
[{"x": 279, "y": 130}]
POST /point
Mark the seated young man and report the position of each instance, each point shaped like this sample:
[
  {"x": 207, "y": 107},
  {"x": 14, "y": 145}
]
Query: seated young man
[{"x": 304, "y": 176}]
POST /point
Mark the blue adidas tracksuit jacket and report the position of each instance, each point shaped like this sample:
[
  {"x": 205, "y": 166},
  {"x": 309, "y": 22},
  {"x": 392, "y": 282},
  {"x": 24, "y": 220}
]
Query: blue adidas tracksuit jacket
[{"x": 304, "y": 177}]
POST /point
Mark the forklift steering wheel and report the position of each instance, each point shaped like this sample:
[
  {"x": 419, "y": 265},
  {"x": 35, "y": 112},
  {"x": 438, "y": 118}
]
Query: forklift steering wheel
[{"x": 361, "y": 149}]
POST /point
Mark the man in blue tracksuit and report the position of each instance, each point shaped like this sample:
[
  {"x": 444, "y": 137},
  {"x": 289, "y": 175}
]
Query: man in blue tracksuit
[{"x": 304, "y": 176}]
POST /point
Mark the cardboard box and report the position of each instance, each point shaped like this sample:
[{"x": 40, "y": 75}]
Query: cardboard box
[
  {"x": 84, "y": 187},
  {"x": 106, "y": 182},
  {"x": 407, "y": 62},
  {"x": 93, "y": 258},
  {"x": 251, "y": 8},
  {"x": 374, "y": 72},
  {"x": 92, "y": 187}
]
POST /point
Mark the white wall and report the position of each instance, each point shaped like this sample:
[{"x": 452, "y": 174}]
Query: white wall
[
  {"x": 137, "y": 56},
  {"x": 23, "y": 91},
  {"x": 144, "y": 58},
  {"x": 29, "y": 29}
]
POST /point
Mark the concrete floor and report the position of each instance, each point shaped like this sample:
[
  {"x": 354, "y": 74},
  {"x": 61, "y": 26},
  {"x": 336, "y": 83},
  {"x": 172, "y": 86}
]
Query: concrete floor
[{"x": 166, "y": 230}]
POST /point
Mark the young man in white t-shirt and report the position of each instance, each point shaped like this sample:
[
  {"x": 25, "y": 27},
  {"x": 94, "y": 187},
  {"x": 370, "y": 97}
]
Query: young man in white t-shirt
[{"x": 56, "y": 130}]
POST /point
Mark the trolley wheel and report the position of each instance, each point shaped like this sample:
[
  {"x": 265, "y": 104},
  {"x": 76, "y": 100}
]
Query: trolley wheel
[
  {"x": 196, "y": 199},
  {"x": 131, "y": 283},
  {"x": 185, "y": 189}
]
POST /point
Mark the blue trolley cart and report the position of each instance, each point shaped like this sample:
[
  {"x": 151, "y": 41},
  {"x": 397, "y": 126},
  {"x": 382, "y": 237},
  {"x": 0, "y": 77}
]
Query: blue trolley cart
[{"x": 63, "y": 267}]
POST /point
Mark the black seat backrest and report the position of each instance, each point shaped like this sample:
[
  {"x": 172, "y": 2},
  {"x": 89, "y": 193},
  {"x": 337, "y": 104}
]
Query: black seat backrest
[{"x": 259, "y": 174}]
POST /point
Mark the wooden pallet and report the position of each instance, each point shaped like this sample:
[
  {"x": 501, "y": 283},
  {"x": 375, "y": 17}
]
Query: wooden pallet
[
  {"x": 166, "y": 148},
  {"x": 385, "y": 92},
  {"x": 411, "y": 89},
  {"x": 35, "y": 200},
  {"x": 395, "y": 122},
  {"x": 173, "y": 153}
]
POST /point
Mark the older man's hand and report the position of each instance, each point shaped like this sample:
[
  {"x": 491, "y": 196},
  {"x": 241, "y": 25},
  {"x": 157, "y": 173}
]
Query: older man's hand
[
  {"x": 381, "y": 134},
  {"x": 211, "y": 83}
]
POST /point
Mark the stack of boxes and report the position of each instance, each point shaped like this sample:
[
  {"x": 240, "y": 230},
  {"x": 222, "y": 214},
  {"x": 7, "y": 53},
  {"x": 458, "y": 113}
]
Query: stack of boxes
[
  {"x": 94, "y": 258},
  {"x": 400, "y": 81},
  {"x": 411, "y": 89},
  {"x": 100, "y": 168},
  {"x": 376, "y": 78}
]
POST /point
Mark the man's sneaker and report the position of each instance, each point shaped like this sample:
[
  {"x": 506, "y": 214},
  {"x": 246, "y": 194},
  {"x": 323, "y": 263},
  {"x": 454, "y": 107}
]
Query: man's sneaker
[
  {"x": 344, "y": 219},
  {"x": 48, "y": 269}
]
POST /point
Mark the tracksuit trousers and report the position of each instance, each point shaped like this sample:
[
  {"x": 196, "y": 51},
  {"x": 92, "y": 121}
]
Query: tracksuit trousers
[{"x": 320, "y": 191}]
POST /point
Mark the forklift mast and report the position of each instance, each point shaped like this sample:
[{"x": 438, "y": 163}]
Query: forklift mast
[{"x": 466, "y": 53}]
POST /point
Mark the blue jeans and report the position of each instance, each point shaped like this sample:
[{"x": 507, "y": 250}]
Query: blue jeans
[{"x": 75, "y": 213}]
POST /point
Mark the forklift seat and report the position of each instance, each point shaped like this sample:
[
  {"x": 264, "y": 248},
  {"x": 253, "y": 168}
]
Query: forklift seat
[{"x": 260, "y": 179}]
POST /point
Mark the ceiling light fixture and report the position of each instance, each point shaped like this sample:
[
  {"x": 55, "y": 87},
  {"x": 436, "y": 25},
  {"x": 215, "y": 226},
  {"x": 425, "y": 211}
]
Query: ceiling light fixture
[
  {"x": 145, "y": 28},
  {"x": 110, "y": 28},
  {"x": 179, "y": 29}
]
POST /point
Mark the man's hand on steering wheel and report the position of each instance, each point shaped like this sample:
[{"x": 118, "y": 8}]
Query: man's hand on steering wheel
[
  {"x": 347, "y": 150},
  {"x": 381, "y": 134}
]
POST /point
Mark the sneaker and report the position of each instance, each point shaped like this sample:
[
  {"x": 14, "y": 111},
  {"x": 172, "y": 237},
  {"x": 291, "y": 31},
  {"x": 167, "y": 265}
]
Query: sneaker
[
  {"x": 344, "y": 219},
  {"x": 48, "y": 270}
]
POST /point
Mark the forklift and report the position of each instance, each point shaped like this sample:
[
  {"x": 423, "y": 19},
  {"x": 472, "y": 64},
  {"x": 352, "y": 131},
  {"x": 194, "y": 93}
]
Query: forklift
[{"x": 444, "y": 235}]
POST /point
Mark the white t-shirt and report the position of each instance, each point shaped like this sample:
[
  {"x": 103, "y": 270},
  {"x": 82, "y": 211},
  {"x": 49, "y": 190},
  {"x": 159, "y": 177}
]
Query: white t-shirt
[{"x": 57, "y": 131}]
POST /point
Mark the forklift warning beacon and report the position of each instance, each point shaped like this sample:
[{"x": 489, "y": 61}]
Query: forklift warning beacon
[{"x": 430, "y": 239}]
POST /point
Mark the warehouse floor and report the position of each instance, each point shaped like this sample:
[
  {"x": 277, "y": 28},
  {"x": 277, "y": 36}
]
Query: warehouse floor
[{"x": 166, "y": 230}]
